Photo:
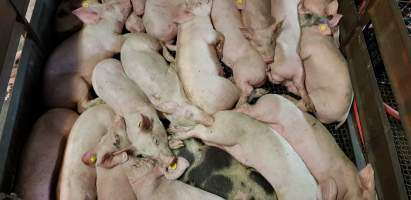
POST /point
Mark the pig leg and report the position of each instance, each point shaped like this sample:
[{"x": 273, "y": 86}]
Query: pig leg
[
  {"x": 94, "y": 102},
  {"x": 134, "y": 23},
  {"x": 208, "y": 136},
  {"x": 306, "y": 103}
]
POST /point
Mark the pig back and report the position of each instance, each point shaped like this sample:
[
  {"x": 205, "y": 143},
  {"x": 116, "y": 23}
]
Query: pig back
[
  {"x": 113, "y": 184},
  {"x": 78, "y": 181},
  {"x": 41, "y": 157}
]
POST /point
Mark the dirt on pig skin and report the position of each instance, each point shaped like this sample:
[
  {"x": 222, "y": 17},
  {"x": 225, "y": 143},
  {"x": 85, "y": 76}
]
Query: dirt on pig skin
[
  {"x": 43, "y": 154},
  {"x": 215, "y": 171}
]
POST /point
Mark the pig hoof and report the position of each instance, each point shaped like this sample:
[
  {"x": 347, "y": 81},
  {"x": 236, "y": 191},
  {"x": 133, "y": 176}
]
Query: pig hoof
[
  {"x": 175, "y": 143},
  {"x": 84, "y": 106}
]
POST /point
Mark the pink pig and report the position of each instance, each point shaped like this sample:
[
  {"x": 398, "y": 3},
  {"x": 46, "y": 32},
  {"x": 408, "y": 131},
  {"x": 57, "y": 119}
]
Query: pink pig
[
  {"x": 336, "y": 174},
  {"x": 67, "y": 77},
  {"x": 287, "y": 68},
  {"x": 249, "y": 68}
]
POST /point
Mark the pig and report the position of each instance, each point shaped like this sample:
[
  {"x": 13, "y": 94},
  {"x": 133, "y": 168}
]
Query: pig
[
  {"x": 161, "y": 16},
  {"x": 40, "y": 163},
  {"x": 134, "y": 22},
  {"x": 323, "y": 8},
  {"x": 112, "y": 182},
  {"x": 197, "y": 63},
  {"x": 249, "y": 68},
  {"x": 256, "y": 145},
  {"x": 147, "y": 68},
  {"x": 77, "y": 180},
  {"x": 260, "y": 27},
  {"x": 148, "y": 182},
  {"x": 327, "y": 77},
  {"x": 336, "y": 174},
  {"x": 215, "y": 171},
  {"x": 67, "y": 76},
  {"x": 287, "y": 68},
  {"x": 144, "y": 128}
]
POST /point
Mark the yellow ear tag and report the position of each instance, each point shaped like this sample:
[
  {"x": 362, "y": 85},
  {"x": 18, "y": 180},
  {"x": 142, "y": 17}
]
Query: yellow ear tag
[
  {"x": 173, "y": 166},
  {"x": 85, "y": 4},
  {"x": 323, "y": 27},
  {"x": 93, "y": 159},
  {"x": 239, "y": 2}
]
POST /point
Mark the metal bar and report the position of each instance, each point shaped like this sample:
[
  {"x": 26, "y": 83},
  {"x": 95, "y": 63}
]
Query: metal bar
[
  {"x": 395, "y": 47},
  {"x": 379, "y": 144}
]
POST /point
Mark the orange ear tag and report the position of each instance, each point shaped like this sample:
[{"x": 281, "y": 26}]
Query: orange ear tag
[
  {"x": 93, "y": 159},
  {"x": 173, "y": 166}
]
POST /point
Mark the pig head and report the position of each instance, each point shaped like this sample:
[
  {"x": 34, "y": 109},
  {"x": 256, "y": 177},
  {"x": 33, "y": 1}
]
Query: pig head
[{"x": 144, "y": 128}]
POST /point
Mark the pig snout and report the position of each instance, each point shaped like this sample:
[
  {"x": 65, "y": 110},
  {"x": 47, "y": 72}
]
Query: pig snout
[
  {"x": 175, "y": 167},
  {"x": 268, "y": 58}
]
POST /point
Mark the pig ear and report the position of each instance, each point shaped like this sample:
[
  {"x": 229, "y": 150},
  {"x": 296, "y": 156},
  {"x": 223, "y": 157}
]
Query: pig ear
[
  {"x": 332, "y": 8},
  {"x": 87, "y": 15},
  {"x": 247, "y": 32},
  {"x": 109, "y": 160},
  {"x": 327, "y": 190},
  {"x": 145, "y": 123},
  {"x": 89, "y": 158},
  {"x": 367, "y": 178},
  {"x": 333, "y": 22},
  {"x": 301, "y": 9}
]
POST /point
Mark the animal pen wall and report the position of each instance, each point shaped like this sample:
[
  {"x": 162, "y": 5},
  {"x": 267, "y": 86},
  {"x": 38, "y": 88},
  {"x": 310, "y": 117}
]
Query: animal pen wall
[{"x": 373, "y": 37}]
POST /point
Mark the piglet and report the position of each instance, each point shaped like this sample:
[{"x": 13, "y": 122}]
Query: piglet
[
  {"x": 77, "y": 180},
  {"x": 197, "y": 63},
  {"x": 260, "y": 27},
  {"x": 134, "y": 22},
  {"x": 287, "y": 68},
  {"x": 249, "y": 68},
  {"x": 147, "y": 68},
  {"x": 144, "y": 128},
  {"x": 41, "y": 158},
  {"x": 161, "y": 16},
  {"x": 336, "y": 174},
  {"x": 148, "y": 182},
  {"x": 67, "y": 76},
  {"x": 327, "y": 77},
  {"x": 257, "y": 145},
  {"x": 112, "y": 182}
]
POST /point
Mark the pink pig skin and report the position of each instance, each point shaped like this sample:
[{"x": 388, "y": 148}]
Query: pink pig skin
[
  {"x": 113, "y": 86},
  {"x": 259, "y": 27},
  {"x": 327, "y": 77},
  {"x": 42, "y": 154},
  {"x": 249, "y": 68},
  {"x": 256, "y": 145},
  {"x": 160, "y": 18},
  {"x": 287, "y": 68},
  {"x": 200, "y": 71},
  {"x": 148, "y": 182},
  {"x": 78, "y": 181},
  {"x": 336, "y": 174},
  {"x": 67, "y": 77}
]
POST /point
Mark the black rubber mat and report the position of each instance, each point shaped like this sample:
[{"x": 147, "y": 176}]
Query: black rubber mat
[{"x": 400, "y": 140}]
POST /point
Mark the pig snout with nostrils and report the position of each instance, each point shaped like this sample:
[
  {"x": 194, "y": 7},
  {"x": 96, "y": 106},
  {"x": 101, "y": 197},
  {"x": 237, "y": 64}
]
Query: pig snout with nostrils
[
  {"x": 112, "y": 182},
  {"x": 336, "y": 174},
  {"x": 67, "y": 76},
  {"x": 327, "y": 77},
  {"x": 147, "y": 68},
  {"x": 144, "y": 129},
  {"x": 197, "y": 64},
  {"x": 249, "y": 68},
  {"x": 260, "y": 27}
]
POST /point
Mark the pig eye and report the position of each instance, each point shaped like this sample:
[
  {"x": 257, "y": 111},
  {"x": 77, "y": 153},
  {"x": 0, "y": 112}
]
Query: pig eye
[{"x": 156, "y": 141}]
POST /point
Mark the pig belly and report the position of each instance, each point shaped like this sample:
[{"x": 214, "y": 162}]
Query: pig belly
[
  {"x": 40, "y": 162},
  {"x": 113, "y": 184},
  {"x": 279, "y": 164},
  {"x": 77, "y": 181}
]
